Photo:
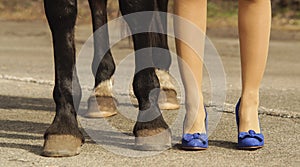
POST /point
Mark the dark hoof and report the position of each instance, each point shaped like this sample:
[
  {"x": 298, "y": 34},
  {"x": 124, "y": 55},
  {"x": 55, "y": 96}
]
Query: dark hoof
[
  {"x": 153, "y": 140},
  {"x": 61, "y": 146},
  {"x": 168, "y": 100},
  {"x": 101, "y": 107}
]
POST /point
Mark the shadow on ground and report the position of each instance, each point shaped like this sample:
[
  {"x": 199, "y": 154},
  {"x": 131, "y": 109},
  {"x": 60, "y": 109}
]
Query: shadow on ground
[
  {"x": 29, "y": 133},
  {"x": 27, "y": 103}
]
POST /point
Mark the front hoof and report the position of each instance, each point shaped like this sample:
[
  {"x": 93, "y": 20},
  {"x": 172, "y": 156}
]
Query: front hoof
[
  {"x": 153, "y": 140},
  {"x": 61, "y": 146},
  {"x": 101, "y": 107}
]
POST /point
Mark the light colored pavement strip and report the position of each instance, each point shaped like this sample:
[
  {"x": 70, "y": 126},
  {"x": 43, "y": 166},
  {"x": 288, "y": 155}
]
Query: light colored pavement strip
[
  {"x": 27, "y": 79},
  {"x": 226, "y": 108}
]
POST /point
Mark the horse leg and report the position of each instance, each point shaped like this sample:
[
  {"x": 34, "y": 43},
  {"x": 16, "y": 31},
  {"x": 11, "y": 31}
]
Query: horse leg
[
  {"x": 63, "y": 137},
  {"x": 161, "y": 57},
  {"x": 151, "y": 130},
  {"x": 102, "y": 103},
  {"x": 162, "y": 60}
]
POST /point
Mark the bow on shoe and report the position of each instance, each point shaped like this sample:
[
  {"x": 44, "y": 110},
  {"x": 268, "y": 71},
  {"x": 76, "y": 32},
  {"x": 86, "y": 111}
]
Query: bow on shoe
[
  {"x": 190, "y": 137},
  {"x": 251, "y": 134}
]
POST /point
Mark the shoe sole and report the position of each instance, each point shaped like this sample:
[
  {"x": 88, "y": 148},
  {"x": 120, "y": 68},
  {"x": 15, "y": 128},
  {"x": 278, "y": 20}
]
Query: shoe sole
[
  {"x": 193, "y": 148},
  {"x": 250, "y": 148}
]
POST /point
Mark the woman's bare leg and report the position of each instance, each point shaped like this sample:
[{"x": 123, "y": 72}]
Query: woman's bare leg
[
  {"x": 254, "y": 32},
  {"x": 195, "y": 12}
]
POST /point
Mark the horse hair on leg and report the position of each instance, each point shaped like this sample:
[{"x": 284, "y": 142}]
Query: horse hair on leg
[
  {"x": 63, "y": 137},
  {"x": 151, "y": 133},
  {"x": 161, "y": 58}
]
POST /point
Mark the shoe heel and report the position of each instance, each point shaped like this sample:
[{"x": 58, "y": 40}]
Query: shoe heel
[
  {"x": 247, "y": 140},
  {"x": 196, "y": 141}
]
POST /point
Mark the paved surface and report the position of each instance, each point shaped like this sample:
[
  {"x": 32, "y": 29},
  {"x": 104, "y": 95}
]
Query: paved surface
[{"x": 26, "y": 107}]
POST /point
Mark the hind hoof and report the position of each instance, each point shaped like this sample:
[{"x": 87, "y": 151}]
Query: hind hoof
[
  {"x": 168, "y": 100},
  {"x": 101, "y": 107},
  {"x": 61, "y": 146}
]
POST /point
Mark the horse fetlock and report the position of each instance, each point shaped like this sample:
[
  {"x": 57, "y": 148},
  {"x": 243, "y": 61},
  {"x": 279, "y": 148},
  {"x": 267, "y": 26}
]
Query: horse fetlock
[
  {"x": 64, "y": 124},
  {"x": 104, "y": 88},
  {"x": 168, "y": 99}
]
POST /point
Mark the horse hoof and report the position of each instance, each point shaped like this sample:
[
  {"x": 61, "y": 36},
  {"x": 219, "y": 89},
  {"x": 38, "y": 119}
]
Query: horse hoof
[
  {"x": 153, "y": 140},
  {"x": 101, "y": 107},
  {"x": 61, "y": 146},
  {"x": 168, "y": 96},
  {"x": 168, "y": 100}
]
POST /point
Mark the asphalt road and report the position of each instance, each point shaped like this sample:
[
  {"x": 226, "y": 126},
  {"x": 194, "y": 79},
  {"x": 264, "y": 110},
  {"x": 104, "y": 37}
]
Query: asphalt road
[{"x": 26, "y": 107}]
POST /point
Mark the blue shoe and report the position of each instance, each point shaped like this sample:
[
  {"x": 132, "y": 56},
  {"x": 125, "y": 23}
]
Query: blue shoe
[
  {"x": 196, "y": 141},
  {"x": 250, "y": 139}
]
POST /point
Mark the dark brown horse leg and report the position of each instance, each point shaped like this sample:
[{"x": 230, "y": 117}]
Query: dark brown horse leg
[
  {"x": 150, "y": 130},
  {"x": 63, "y": 137},
  {"x": 162, "y": 59},
  {"x": 102, "y": 103}
]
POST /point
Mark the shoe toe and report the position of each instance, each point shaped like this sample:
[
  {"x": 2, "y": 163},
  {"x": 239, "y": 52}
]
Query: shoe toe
[
  {"x": 197, "y": 143},
  {"x": 196, "y": 140},
  {"x": 249, "y": 142}
]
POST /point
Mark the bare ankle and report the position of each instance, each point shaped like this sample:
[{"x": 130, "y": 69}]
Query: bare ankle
[
  {"x": 250, "y": 98},
  {"x": 248, "y": 113},
  {"x": 195, "y": 122}
]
